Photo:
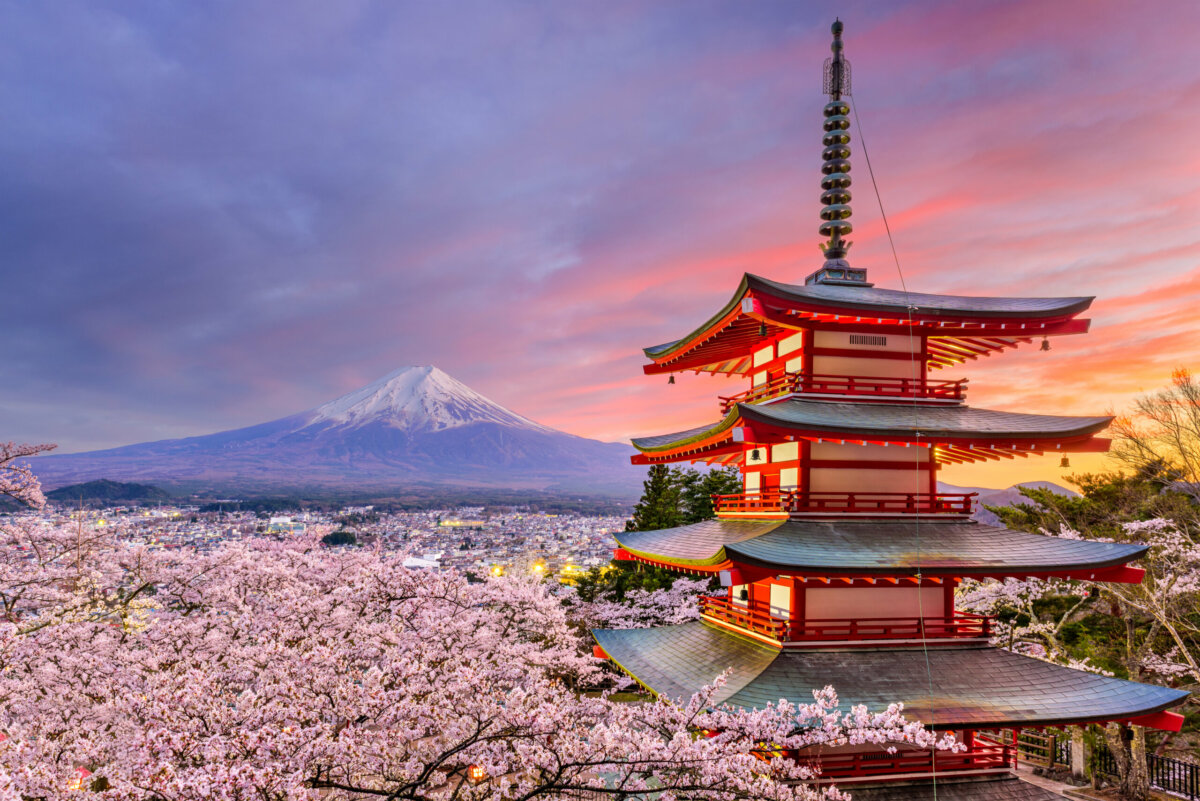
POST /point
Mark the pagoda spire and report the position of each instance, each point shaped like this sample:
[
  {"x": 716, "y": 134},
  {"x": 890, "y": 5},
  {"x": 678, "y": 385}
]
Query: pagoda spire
[{"x": 835, "y": 169}]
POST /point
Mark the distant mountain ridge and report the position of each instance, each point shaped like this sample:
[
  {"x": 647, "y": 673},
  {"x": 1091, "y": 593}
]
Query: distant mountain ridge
[
  {"x": 1003, "y": 497},
  {"x": 416, "y": 426},
  {"x": 109, "y": 491}
]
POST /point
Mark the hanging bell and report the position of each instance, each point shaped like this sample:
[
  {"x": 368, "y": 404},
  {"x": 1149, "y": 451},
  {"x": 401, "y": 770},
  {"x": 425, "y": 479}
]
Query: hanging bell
[
  {"x": 762, "y": 329},
  {"x": 1045, "y": 343},
  {"x": 755, "y": 455},
  {"x": 671, "y": 380},
  {"x": 1065, "y": 462}
]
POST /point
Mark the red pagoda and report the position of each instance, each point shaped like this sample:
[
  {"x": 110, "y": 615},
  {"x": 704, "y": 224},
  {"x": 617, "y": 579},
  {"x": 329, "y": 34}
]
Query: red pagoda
[{"x": 839, "y": 560}]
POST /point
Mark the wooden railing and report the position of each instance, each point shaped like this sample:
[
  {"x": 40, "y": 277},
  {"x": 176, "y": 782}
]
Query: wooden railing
[
  {"x": 961, "y": 625},
  {"x": 796, "y": 383},
  {"x": 743, "y": 617},
  {"x": 981, "y": 757},
  {"x": 804, "y": 502},
  {"x": 749, "y": 502}
]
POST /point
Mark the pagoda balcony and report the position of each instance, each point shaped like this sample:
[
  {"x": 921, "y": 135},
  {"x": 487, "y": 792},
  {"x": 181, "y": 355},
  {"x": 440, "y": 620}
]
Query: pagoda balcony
[
  {"x": 849, "y": 385},
  {"x": 758, "y": 621},
  {"x": 794, "y": 503},
  {"x": 914, "y": 763},
  {"x": 746, "y": 618}
]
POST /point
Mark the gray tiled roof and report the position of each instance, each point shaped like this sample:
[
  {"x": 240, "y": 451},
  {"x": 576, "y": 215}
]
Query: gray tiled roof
[
  {"x": 976, "y": 686},
  {"x": 946, "y": 547},
  {"x": 660, "y": 440},
  {"x": 873, "y": 298},
  {"x": 931, "y": 421},
  {"x": 875, "y": 419},
  {"x": 698, "y": 543},
  {"x": 890, "y": 302},
  {"x": 987, "y": 788}
]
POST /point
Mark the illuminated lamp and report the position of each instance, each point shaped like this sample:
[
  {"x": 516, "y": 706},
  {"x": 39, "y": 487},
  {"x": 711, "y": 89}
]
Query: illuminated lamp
[{"x": 476, "y": 774}]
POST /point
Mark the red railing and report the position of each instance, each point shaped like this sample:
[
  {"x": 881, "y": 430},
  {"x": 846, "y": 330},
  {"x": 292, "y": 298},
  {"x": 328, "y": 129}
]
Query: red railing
[
  {"x": 981, "y": 757},
  {"x": 961, "y": 625},
  {"x": 795, "y": 383},
  {"x": 803, "y": 502},
  {"x": 743, "y": 617},
  {"x": 747, "y": 502}
]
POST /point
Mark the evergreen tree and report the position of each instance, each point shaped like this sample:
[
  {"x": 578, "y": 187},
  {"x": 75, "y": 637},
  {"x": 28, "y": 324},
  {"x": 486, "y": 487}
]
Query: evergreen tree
[
  {"x": 697, "y": 489},
  {"x": 659, "y": 505}
]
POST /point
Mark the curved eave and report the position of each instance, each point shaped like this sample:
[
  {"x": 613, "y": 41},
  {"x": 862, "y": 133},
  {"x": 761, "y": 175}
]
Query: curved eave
[
  {"x": 896, "y": 303},
  {"x": 874, "y": 422},
  {"x": 694, "y": 438},
  {"x": 880, "y": 548},
  {"x": 722, "y": 342},
  {"x": 695, "y": 545},
  {"x": 658, "y": 353},
  {"x": 946, "y": 687},
  {"x": 902, "y": 422}
]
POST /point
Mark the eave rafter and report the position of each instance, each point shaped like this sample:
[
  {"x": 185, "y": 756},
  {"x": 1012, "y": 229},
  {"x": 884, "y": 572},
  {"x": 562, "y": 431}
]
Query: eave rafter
[
  {"x": 724, "y": 345},
  {"x": 1116, "y": 574}
]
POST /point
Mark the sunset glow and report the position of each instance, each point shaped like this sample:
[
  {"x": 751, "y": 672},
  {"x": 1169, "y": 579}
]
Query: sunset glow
[{"x": 219, "y": 221}]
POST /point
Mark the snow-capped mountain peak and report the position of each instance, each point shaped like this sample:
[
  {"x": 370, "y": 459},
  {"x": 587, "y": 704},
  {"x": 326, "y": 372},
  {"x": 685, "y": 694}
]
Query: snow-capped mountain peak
[{"x": 417, "y": 398}]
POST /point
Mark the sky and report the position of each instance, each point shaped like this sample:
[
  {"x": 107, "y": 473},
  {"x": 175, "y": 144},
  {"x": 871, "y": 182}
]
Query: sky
[{"x": 218, "y": 214}]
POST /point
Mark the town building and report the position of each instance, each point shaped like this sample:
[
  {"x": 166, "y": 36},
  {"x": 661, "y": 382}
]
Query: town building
[{"x": 839, "y": 559}]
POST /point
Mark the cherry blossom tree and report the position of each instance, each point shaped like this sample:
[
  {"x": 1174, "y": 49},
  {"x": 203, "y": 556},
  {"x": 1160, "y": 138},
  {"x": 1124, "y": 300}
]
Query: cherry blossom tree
[
  {"x": 17, "y": 480},
  {"x": 641, "y": 608},
  {"x": 285, "y": 670}
]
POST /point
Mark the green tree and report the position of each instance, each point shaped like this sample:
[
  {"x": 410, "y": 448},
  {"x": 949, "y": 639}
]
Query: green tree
[
  {"x": 659, "y": 506},
  {"x": 696, "y": 490}
]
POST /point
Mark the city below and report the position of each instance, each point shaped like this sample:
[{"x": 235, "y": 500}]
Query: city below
[{"x": 471, "y": 540}]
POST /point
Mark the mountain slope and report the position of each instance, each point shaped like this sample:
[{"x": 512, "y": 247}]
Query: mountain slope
[
  {"x": 415, "y": 426},
  {"x": 1003, "y": 497}
]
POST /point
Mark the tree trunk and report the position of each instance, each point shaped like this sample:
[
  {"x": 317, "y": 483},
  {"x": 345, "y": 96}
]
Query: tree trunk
[{"x": 1128, "y": 747}]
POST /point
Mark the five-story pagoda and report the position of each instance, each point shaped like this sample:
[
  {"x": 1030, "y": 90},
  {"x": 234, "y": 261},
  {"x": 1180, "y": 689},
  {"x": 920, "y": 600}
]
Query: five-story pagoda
[{"x": 840, "y": 558}]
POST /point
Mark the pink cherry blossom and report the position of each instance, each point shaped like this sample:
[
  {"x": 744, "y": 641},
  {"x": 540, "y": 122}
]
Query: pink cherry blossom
[{"x": 285, "y": 670}]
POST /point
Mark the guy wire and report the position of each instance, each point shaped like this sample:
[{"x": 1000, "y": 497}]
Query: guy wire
[{"x": 916, "y": 422}]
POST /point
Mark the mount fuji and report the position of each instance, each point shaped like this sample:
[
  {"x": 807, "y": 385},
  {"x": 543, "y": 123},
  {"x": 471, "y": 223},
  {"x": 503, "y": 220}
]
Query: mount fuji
[{"x": 416, "y": 426}]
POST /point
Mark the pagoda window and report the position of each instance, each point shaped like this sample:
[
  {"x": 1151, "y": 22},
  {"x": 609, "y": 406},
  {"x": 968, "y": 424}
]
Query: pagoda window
[
  {"x": 789, "y": 478},
  {"x": 865, "y": 603},
  {"x": 752, "y": 481},
  {"x": 835, "y": 468},
  {"x": 781, "y": 600},
  {"x": 764, "y": 355},
  {"x": 785, "y": 452},
  {"x": 866, "y": 481},
  {"x": 838, "y": 354},
  {"x": 791, "y": 344}
]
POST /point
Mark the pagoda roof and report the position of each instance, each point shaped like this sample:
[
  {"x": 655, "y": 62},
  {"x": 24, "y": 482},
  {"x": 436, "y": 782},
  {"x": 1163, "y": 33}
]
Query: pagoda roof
[
  {"x": 974, "y": 686},
  {"x": 875, "y": 547},
  {"x": 900, "y": 422},
  {"x": 730, "y": 334},
  {"x": 980, "y": 788}
]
